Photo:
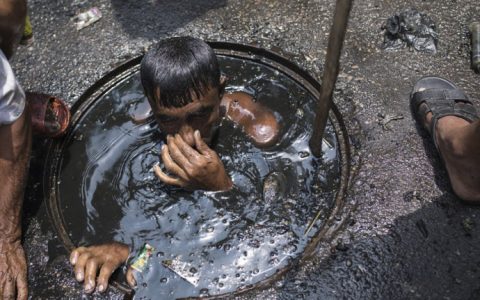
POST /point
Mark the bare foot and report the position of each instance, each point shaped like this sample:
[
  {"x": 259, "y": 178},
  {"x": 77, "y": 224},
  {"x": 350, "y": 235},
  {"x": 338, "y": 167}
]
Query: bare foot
[{"x": 458, "y": 142}]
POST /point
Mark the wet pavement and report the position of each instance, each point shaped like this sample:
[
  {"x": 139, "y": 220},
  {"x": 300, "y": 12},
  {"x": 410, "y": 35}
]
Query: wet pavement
[{"x": 407, "y": 235}]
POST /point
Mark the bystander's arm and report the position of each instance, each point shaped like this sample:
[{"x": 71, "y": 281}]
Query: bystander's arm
[{"x": 15, "y": 143}]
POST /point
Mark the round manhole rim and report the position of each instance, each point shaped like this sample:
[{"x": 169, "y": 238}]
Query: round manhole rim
[{"x": 248, "y": 52}]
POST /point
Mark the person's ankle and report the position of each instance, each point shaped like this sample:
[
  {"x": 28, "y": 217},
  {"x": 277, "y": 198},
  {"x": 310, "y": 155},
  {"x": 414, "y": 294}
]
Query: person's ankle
[{"x": 449, "y": 136}]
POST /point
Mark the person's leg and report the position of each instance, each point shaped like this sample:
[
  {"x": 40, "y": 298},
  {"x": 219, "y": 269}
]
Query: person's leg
[
  {"x": 458, "y": 142},
  {"x": 452, "y": 120},
  {"x": 14, "y": 158},
  {"x": 15, "y": 140}
]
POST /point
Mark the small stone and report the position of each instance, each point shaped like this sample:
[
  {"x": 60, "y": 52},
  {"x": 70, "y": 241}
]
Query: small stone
[
  {"x": 341, "y": 246},
  {"x": 299, "y": 113},
  {"x": 348, "y": 263}
]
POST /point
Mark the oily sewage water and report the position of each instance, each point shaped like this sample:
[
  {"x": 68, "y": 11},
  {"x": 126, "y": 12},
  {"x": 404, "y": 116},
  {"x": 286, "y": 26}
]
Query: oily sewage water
[{"x": 206, "y": 243}]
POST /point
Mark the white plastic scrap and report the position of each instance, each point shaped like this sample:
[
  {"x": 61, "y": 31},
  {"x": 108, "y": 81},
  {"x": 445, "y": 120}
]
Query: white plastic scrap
[{"x": 87, "y": 18}]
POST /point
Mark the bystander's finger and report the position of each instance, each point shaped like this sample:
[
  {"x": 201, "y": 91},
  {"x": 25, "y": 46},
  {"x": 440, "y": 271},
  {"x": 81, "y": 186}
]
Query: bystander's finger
[
  {"x": 9, "y": 288},
  {"x": 22, "y": 287}
]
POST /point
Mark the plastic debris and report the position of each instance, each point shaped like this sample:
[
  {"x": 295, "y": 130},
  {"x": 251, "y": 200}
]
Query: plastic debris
[
  {"x": 410, "y": 28},
  {"x": 27, "y": 37},
  {"x": 87, "y": 18},
  {"x": 184, "y": 270},
  {"x": 475, "y": 35},
  {"x": 140, "y": 263}
]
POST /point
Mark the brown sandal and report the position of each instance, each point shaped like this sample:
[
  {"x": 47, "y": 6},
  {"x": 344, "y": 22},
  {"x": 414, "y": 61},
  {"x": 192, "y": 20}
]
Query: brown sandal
[{"x": 50, "y": 115}]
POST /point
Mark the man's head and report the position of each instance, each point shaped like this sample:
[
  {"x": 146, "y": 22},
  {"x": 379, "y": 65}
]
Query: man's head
[
  {"x": 181, "y": 79},
  {"x": 12, "y": 21}
]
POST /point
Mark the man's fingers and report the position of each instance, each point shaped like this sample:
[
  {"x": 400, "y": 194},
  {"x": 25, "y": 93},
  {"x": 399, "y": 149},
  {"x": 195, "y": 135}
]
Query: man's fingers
[
  {"x": 90, "y": 275},
  {"x": 130, "y": 278},
  {"x": 80, "y": 266},
  {"x": 177, "y": 155},
  {"x": 171, "y": 165},
  {"x": 190, "y": 153},
  {"x": 75, "y": 254},
  {"x": 22, "y": 287},
  {"x": 105, "y": 272},
  {"x": 167, "y": 179},
  {"x": 200, "y": 144}
]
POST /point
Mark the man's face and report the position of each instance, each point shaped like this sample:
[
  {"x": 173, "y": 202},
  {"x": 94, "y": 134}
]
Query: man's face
[{"x": 202, "y": 114}]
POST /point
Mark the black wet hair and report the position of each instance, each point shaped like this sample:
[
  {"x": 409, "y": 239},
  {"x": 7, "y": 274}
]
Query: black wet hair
[{"x": 180, "y": 67}]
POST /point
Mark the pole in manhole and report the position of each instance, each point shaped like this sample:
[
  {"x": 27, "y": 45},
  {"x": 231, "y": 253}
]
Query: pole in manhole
[{"x": 330, "y": 73}]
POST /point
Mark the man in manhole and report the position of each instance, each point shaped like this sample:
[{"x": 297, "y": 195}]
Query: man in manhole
[{"x": 182, "y": 81}]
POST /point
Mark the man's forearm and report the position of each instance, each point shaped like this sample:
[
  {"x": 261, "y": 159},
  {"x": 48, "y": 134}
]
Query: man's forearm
[{"x": 15, "y": 144}]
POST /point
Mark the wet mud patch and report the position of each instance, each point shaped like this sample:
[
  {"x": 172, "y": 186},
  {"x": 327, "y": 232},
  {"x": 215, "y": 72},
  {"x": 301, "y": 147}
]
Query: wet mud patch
[{"x": 102, "y": 187}]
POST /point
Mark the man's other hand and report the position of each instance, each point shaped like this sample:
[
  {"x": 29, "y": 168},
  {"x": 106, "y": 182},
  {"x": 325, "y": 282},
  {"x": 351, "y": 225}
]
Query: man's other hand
[{"x": 102, "y": 260}]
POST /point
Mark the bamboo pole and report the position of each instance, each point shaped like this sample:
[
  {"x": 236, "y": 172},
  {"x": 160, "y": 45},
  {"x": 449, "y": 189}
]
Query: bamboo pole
[{"x": 330, "y": 73}]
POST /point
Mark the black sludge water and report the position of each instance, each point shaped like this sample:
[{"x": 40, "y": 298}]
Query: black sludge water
[{"x": 206, "y": 243}]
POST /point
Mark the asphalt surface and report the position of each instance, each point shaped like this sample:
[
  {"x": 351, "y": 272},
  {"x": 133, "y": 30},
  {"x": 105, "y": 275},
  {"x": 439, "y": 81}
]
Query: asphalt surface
[{"x": 407, "y": 236}]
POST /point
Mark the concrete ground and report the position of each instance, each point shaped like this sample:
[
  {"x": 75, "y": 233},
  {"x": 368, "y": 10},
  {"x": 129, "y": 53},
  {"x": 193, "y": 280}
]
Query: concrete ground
[{"x": 407, "y": 237}]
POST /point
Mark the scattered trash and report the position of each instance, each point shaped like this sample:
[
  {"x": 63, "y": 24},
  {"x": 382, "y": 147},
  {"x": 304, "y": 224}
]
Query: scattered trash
[
  {"x": 87, "y": 18},
  {"x": 385, "y": 119},
  {"x": 27, "y": 37},
  {"x": 184, "y": 270},
  {"x": 475, "y": 35},
  {"x": 140, "y": 263},
  {"x": 410, "y": 28},
  {"x": 412, "y": 195}
]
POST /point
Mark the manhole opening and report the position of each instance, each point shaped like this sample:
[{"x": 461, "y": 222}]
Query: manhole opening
[{"x": 100, "y": 187}]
